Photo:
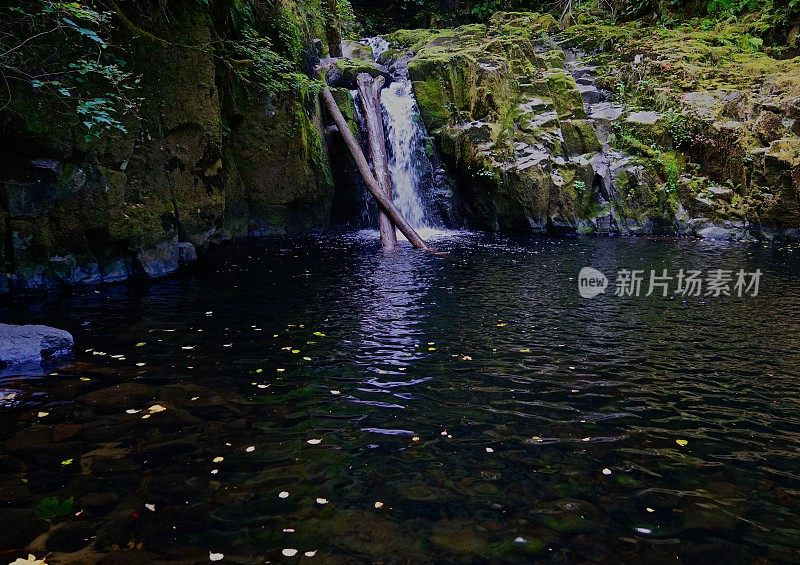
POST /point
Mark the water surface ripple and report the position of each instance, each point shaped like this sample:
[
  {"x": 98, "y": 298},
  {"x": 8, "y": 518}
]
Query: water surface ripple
[{"x": 473, "y": 408}]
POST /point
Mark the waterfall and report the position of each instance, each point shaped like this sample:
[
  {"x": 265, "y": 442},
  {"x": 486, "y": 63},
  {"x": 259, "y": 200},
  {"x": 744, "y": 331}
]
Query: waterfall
[
  {"x": 409, "y": 165},
  {"x": 406, "y": 149}
]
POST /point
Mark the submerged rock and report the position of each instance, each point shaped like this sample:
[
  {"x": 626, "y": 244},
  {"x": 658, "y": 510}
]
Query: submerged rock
[{"x": 23, "y": 345}]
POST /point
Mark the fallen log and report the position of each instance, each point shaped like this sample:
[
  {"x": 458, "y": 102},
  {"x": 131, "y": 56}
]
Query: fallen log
[
  {"x": 374, "y": 188},
  {"x": 369, "y": 92}
]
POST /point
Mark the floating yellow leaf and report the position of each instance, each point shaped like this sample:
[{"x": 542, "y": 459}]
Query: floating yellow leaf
[
  {"x": 67, "y": 462},
  {"x": 682, "y": 442}
]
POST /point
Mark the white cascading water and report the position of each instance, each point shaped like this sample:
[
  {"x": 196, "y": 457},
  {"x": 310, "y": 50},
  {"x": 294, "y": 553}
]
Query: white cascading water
[{"x": 406, "y": 136}]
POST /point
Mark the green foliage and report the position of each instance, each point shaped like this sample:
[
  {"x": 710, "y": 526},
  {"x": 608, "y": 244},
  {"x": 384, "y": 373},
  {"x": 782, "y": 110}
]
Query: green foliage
[
  {"x": 677, "y": 127},
  {"x": 484, "y": 10},
  {"x": 731, "y": 7},
  {"x": 672, "y": 171},
  {"x": 268, "y": 71},
  {"x": 63, "y": 52},
  {"x": 347, "y": 20},
  {"x": 51, "y": 508}
]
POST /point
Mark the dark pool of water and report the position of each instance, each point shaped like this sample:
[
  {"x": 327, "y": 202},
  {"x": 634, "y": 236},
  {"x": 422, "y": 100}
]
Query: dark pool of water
[{"x": 489, "y": 412}]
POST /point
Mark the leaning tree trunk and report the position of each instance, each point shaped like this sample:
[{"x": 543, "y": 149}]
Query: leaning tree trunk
[
  {"x": 369, "y": 92},
  {"x": 374, "y": 188}
]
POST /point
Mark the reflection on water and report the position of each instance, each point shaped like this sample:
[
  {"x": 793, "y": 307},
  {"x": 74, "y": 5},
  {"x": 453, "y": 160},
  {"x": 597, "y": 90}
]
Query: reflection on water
[{"x": 323, "y": 396}]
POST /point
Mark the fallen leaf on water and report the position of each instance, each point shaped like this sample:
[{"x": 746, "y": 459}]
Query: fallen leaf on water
[
  {"x": 215, "y": 556},
  {"x": 489, "y": 450},
  {"x": 283, "y": 494},
  {"x": 67, "y": 462},
  {"x": 606, "y": 471},
  {"x": 415, "y": 438},
  {"x": 310, "y": 553},
  {"x": 335, "y": 392},
  {"x": 378, "y": 505},
  {"x": 314, "y": 441},
  {"x": 132, "y": 411},
  {"x": 251, "y": 449},
  {"x": 650, "y": 509},
  {"x": 218, "y": 459},
  {"x": 319, "y": 334},
  {"x": 322, "y": 501},
  {"x": 150, "y": 507},
  {"x": 682, "y": 442},
  {"x": 520, "y": 540},
  {"x": 289, "y": 552},
  {"x": 156, "y": 408},
  {"x": 501, "y": 325},
  {"x": 141, "y": 344},
  {"x": 43, "y": 414},
  {"x": 525, "y": 350},
  {"x": 188, "y": 347}
]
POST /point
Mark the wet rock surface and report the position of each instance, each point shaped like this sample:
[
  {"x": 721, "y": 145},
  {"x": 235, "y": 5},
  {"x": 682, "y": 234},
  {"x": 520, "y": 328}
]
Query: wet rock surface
[{"x": 32, "y": 344}]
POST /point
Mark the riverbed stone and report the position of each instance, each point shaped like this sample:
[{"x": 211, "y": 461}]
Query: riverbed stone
[
  {"x": 32, "y": 344},
  {"x": 19, "y": 526},
  {"x": 70, "y": 537}
]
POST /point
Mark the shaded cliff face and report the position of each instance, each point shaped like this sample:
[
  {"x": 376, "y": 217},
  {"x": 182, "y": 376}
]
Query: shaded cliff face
[
  {"x": 211, "y": 155},
  {"x": 611, "y": 128}
]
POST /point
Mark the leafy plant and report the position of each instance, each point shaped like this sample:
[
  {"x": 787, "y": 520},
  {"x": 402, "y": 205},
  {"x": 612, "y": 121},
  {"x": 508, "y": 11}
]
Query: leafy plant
[
  {"x": 677, "y": 128},
  {"x": 63, "y": 51},
  {"x": 267, "y": 70},
  {"x": 51, "y": 508}
]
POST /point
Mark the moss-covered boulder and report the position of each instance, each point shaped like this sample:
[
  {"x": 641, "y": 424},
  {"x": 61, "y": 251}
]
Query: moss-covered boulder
[
  {"x": 715, "y": 97},
  {"x": 213, "y": 154},
  {"x": 507, "y": 116}
]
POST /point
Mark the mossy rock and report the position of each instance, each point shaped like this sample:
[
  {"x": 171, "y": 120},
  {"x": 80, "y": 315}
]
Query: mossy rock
[
  {"x": 343, "y": 72},
  {"x": 566, "y": 97},
  {"x": 580, "y": 137}
]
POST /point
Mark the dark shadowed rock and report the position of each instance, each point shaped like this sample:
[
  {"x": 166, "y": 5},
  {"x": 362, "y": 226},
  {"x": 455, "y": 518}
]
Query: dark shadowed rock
[
  {"x": 69, "y": 537},
  {"x": 18, "y": 527}
]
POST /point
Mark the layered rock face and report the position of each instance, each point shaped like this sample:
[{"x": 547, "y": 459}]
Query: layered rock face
[
  {"x": 209, "y": 158},
  {"x": 554, "y": 131}
]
